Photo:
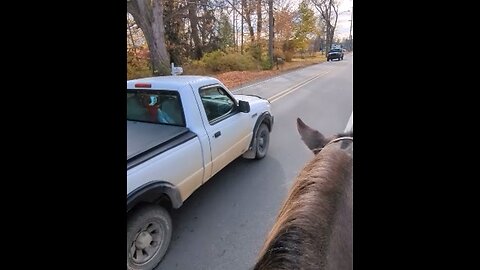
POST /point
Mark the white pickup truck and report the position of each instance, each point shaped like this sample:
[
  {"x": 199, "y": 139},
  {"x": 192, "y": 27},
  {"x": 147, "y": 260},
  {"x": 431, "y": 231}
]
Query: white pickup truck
[{"x": 181, "y": 131}]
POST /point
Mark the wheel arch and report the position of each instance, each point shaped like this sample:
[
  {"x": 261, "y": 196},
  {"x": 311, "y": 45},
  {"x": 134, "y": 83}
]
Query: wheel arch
[
  {"x": 155, "y": 192},
  {"x": 266, "y": 118}
]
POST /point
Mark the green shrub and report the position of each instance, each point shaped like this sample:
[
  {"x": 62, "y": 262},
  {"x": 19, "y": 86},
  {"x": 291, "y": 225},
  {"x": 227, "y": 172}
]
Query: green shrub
[
  {"x": 255, "y": 51},
  {"x": 266, "y": 64},
  {"x": 218, "y": 61},
  {"x": 195, "y": 67}
]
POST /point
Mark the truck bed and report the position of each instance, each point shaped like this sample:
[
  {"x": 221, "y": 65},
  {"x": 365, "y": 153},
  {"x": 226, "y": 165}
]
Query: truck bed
[{"x": 145, "y": 140}]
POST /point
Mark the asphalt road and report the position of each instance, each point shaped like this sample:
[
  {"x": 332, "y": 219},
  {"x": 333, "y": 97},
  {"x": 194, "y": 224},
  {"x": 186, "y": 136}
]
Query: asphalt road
[{"x": 224, "y": 223}]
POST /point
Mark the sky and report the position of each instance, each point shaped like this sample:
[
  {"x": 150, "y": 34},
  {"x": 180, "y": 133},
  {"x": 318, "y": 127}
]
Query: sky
[{"x": 343, "y": 23}]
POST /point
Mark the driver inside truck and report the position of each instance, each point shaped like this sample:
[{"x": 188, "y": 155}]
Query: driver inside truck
[{"x": 156, "y": 113}]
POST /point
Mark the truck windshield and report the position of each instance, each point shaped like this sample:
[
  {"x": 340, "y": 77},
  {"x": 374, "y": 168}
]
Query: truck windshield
[{"x": 159, "y": 107}]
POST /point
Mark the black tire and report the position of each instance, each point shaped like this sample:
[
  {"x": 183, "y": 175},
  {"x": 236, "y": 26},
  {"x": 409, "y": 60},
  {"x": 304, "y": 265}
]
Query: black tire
[
  {"x": 149, "y": 231},
  {"x": 263, "y": 140}
]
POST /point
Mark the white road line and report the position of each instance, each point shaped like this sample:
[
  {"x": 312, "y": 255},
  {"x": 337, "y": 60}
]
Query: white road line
[
  {"x": 255, "y": 84},
  {"x": 349, "y": 126},
  {"x": 295, "y": 87},
  {"x": 264, "y": 81}
]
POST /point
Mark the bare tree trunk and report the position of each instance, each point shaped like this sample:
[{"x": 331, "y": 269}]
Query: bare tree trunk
[
  {"x": 159, "y": 38},
  {"x": 245, "y": 13},
  {"x": 334, "y": 26},
  {"x": 325, "y": 7},
  {"x": 234, "y": 26},
  {"x": 241, "y": 46},
  {"x": 248, "y": 9},
  {"x": 329, "y": 38},
  {"x": 270, "y": 32},
  {"x": 150, "y": 19},
  {"x": 259, "y": 19},
  {"x": 192, "y": 15}
]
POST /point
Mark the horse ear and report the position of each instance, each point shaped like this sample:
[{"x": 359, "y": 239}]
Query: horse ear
[{"x": 311, "y": 137}]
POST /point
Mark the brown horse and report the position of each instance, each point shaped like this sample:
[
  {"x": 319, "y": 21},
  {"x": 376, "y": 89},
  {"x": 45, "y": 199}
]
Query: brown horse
[{"x": 314, "y": 227}]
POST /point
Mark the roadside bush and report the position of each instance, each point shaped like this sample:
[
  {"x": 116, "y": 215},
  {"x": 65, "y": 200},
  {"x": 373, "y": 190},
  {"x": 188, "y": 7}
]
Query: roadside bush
[
  {"x": 266, "y": 65},
  {"x": 255, "y": 50},
  {"x": 289, "y": 56},
  {"x": 278, "y": 54},
  {"x": 218, "y": 61},
  {"x": 289, "y": 50},
  {"x": 195, "y": 67},
  {"x": 137, "y": 67}
]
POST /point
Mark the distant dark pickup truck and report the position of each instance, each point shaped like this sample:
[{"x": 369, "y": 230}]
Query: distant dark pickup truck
[{"x": 335, "y": 54}]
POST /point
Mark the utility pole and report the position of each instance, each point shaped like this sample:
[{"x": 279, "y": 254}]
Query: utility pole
[{"x": 351, "y": 25}]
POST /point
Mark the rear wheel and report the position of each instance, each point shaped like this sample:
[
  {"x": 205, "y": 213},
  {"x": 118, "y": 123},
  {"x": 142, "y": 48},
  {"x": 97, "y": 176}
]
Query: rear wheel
[
  {"x": 263, "y": 140},
  {"x": 149, "y": 230}
]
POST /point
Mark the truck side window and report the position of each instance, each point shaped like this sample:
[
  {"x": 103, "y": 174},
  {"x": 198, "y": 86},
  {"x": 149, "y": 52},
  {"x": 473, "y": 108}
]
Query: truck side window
[{"x": 216, "y": 102}]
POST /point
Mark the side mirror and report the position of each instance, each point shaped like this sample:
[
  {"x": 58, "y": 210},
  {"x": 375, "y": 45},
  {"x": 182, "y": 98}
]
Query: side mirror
[{"x": 244, "y": 106}]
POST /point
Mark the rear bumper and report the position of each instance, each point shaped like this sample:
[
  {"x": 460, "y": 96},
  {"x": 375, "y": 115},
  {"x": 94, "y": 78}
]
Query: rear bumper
[{"x": 334, "y": 56}]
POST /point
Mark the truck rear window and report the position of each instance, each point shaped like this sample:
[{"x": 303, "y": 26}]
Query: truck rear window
[{"x": 157, "y": 106}]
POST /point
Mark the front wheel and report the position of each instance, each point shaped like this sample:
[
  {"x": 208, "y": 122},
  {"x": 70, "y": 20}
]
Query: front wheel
[
  {"x": 149, "y": 230},
  {"x": 263, "y": 140}
]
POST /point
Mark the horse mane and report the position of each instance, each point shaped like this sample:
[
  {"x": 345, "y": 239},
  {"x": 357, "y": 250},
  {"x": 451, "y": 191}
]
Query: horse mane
[{"x": 313, "y": 229}]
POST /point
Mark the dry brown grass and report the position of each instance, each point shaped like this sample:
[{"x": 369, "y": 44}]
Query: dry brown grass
[{"x": 234, "y": 79}]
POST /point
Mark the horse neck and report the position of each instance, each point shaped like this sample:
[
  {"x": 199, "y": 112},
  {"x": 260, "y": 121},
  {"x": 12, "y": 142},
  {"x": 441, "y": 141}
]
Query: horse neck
[
  {"x": 314, "y": 215},
  {"x": 340, "y": 250}
]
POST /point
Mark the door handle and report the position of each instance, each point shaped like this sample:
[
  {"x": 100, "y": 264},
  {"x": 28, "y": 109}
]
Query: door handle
[{"x": 217, "y": 134}]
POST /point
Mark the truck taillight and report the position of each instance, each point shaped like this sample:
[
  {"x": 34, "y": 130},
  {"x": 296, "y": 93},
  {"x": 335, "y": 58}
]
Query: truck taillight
[{"x": 143, "y": 85}]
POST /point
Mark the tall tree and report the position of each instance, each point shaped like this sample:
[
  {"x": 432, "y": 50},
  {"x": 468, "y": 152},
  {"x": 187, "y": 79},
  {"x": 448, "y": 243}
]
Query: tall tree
[
  {"x": 208, "y": 25},
  {"x": 283, "y": 24},
  {"x": 328, "y": 10},
  {"x": 259, "y": 19},
  {"x": 305, "y": 26},
  {"x": 192, "y": 15},
  {"x": 225, "y": 32},
  {"x": 247, "y": 9},
  {"x": 176, "y": 39},
  {"x": 321, "y": 36},
  {"x": 148, "y": 14}
]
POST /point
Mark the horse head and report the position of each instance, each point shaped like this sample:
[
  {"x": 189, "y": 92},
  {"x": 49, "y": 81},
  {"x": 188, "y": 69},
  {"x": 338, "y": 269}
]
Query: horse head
[{"x": 316, "y": 141}]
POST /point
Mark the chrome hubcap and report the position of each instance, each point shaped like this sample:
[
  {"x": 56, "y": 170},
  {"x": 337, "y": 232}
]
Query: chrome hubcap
[
  {"x": 143, "y": 240},
  {"x": 146, "y": 244}
]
